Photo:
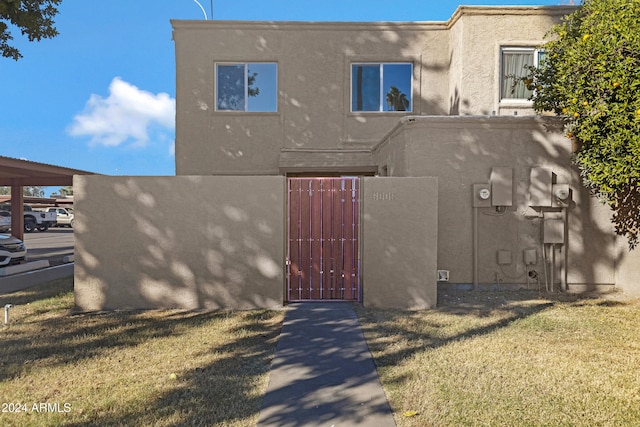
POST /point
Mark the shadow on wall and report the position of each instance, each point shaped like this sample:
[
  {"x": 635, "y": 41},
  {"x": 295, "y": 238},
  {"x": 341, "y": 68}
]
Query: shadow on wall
[
  {"x": 314, "y": 95},
  {"x": 179, "y": 242},
  {"x": 467, "y": 150}
]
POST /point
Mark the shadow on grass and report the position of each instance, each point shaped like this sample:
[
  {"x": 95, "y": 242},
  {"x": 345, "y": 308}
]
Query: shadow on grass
[
  {"x": 52, "y": 289},
  {"x": 222, "y": 392},
  {"x": 480, "y": 312}
]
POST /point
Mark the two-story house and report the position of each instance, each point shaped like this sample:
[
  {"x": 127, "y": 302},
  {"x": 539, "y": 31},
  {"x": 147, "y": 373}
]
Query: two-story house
[{"x": 358, "y": 161}]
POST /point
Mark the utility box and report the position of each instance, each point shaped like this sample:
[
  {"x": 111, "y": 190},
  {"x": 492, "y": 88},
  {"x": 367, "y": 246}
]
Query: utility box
[
  {"x": 561, "y": 195},
  {"x": 504, "y": 257},
  {"x": 530, "y": 257},
  {"x": 553, "y": 231},
  {"x": 481, "y": 195},
  {"x": 540, "y": 187},
  {"x": 501, "y": 186}
]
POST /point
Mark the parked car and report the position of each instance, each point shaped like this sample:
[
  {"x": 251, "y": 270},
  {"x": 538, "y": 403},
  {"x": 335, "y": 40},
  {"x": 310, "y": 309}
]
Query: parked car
[
  {"x": 5, "y": 221},
  {"x": 64, "y": 216},
  {"x": 12, "y": 250},
  {"x": 34, "y": 219}
]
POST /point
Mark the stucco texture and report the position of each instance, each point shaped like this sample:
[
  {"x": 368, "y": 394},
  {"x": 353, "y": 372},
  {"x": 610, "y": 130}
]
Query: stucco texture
[
  {"x": 400, "y": 239},
  {"x": 463, "y": 151},
  {"x": 455, "y": 71},
  {"x": 179, "y": 242}
]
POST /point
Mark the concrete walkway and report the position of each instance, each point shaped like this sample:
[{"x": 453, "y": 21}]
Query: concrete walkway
[{"x": 323, "y": 373}]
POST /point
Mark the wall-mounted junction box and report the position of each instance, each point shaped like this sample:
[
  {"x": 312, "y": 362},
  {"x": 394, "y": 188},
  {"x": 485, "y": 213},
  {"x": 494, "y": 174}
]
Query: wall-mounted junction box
[
  {"x": 501, "y": 186},
  {"x": 530, "y": 257},
  {"x": 443, "y": 275},
  {"x": 553, "y": 231},
  {"x": 481, "y": 195},
  {"x": 504, "y": 257},
  {"x": 540, "y": 187}
]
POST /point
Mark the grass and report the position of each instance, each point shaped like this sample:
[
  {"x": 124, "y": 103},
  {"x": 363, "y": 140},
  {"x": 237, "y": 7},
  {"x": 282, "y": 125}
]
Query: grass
[
  {"x": 505, "y": 361},
  {"x": 481, "y": 359},
  {"x": 160, "y": 368}
]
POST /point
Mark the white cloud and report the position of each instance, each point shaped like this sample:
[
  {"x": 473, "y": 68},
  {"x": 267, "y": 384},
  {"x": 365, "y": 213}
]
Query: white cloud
[{"x": 127, "y": 114}]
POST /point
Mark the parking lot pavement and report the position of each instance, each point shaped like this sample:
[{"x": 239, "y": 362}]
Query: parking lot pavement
[{"x": 52, "y": 245}]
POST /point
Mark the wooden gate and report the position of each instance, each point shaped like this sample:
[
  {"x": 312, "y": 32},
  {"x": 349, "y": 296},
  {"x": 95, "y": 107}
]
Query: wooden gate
[{"x": 323, "y": 258}]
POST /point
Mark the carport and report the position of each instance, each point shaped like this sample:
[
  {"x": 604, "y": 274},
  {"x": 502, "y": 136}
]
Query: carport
[{"x": 17, "y": 173}]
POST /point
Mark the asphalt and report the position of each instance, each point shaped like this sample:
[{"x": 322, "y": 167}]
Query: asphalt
[
  {"x": 28, "y": 279},
  {"x": 323, "y": 373}
]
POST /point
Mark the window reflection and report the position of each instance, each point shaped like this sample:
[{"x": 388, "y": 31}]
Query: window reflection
[
  {"x": 251, "y": 87},
  {"x": 381, "y": 87}
]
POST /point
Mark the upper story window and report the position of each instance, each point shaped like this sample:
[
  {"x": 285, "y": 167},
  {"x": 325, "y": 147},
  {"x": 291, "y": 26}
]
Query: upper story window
[
  {"x": 381, "y": 87},
  {"x": 515, "y": 63},
  {"x": 251, "y": 87}
]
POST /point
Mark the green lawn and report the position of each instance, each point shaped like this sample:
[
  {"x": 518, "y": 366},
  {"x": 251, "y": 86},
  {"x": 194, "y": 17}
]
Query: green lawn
[
  {"x": 505, "y": 361},
  {"x": 481, "y": 359},
  {"x": 154, "y": 368}
]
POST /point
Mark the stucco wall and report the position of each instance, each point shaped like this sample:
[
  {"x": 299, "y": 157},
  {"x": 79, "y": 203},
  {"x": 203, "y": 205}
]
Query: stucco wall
[
  {"x": 628, "y": 268},
  {"x": 456, "y": 65},
  {"x": 461, "y": 151},
  {"x": 400, "y": 239},
  {"x": 179, "y": 242},
  {"x": 314, "y": 103},
  {"x": 477, "y": 36}
]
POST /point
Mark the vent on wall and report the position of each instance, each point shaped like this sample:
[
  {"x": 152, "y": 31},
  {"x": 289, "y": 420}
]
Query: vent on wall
[{"x": 443, "y": 275}]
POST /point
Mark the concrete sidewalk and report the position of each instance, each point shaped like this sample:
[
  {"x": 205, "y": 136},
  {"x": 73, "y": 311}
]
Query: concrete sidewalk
[{"x": 323, "y": 373}]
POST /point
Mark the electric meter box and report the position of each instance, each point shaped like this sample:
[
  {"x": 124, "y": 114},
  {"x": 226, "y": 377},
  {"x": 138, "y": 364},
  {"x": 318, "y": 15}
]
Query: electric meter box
[
  {"x": 540, "y": 188},
  {"x": 481, "y": 195},
  {"x": 561, "y": 195}
]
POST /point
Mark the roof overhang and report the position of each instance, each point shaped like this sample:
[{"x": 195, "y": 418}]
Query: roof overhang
[{"x": 26, "y": 173}]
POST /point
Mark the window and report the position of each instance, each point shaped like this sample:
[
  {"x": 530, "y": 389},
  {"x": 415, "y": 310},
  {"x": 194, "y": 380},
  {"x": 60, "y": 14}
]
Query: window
[
  {"x": 251, "y": 87},
  {"x": 381, "y": 87},
  {"x": 515, "y": 63}
]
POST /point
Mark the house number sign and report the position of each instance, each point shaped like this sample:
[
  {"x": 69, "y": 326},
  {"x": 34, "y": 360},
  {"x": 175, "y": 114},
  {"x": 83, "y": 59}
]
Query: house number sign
[{"x": 383, "y": 196}]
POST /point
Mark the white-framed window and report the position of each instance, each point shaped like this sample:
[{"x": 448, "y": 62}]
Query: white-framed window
[
  {"x": 250, "y": 87},
  {"x": 514, "y": 65},
  {"x": 381, "y": 87}
]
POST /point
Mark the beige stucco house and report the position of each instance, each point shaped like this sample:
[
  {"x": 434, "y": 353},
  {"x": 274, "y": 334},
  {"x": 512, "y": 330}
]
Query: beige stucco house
[{"x": 351, "y": 161}]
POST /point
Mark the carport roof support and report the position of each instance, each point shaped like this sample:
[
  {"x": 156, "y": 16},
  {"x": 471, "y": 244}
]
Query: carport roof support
[{"x": 17, "y": 173}]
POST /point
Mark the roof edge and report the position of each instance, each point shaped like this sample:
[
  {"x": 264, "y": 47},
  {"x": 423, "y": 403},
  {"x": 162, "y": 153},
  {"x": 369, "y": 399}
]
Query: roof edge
[{"x": 558, "y": 10}]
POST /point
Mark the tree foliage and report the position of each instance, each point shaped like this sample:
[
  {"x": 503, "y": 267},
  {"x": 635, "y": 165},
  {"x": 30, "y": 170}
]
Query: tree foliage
[
  {"x": 32, "y": 191},
  {"x": 396, "y": 100},
  {"x": 34, "y": 18},
  {"x": 63, "y": 192},
  {"x": 590, "y": 76}
]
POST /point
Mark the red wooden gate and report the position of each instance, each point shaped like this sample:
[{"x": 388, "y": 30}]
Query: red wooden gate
[{"x": 323, "y": 231}]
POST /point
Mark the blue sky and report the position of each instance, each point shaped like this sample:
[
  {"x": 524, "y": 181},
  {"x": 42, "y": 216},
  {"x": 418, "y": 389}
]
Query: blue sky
[{"x": 101, "y": 96}]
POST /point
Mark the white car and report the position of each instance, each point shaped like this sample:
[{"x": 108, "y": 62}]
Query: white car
[
  {"x": 64, "y": 216},
  {"x": 12, "y": 250},
  {"x": 5, "y": 221}
]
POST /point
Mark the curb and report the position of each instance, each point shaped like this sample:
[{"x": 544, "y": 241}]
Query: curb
[{"x": 28, "y": 279}]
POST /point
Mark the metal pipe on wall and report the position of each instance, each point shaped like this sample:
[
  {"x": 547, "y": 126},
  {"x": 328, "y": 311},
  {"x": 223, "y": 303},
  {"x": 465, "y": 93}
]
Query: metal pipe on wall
[
  {"x": 553, "y": 266},
  {"x": 475, "y": 247}
]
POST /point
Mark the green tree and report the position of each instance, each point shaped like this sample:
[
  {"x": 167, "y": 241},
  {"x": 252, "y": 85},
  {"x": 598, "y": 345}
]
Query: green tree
[
  {"x": 590, "y": 76},
  {"x": 63, "y": 192},
  {"x": 396, "y": 100},
  {"x": 34, "y": 18},
  {"x": 32, "y": 191}
]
